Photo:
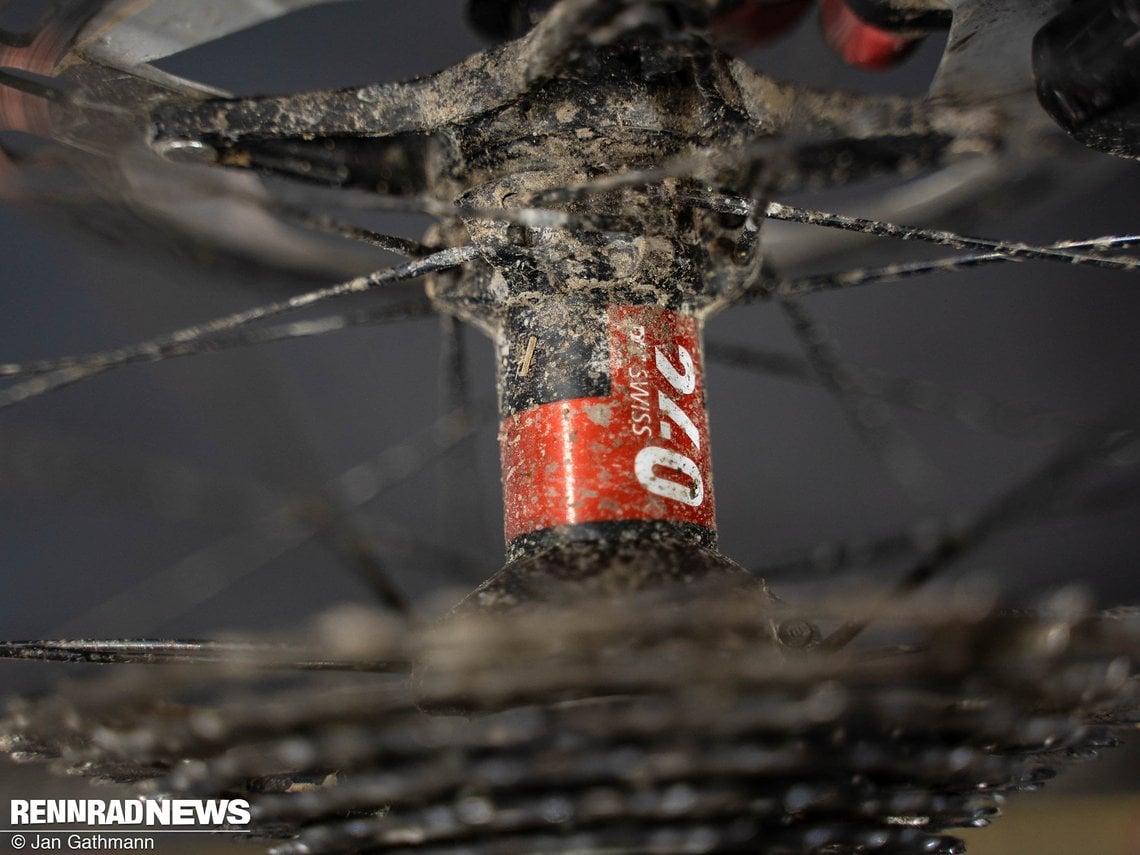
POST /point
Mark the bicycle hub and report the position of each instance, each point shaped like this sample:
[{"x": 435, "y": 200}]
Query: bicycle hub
[{"x": 596, "y": 303}]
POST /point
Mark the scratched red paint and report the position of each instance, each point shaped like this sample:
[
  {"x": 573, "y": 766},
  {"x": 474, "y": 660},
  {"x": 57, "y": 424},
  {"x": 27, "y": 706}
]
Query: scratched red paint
[{"x": 577, "y": 461}]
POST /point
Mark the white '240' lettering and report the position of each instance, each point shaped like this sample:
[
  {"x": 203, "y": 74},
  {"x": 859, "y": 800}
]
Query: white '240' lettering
[{"x": 685, "y": 484}]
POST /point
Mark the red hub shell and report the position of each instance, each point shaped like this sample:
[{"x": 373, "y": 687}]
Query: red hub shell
[{"x": 639, "y": 453}]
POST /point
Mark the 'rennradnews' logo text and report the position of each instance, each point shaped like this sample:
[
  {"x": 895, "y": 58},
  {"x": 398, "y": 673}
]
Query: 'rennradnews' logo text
[{"x": 168, "y": 812}]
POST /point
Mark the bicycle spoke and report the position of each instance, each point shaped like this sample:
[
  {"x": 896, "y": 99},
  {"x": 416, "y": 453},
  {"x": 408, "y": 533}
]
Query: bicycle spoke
[
  {"x": 129, "y": 651},
  {"x": 29, "y": 85},
  {"x": 390, "y": 243},
  {"x": 296, "y": 197},
  {"x": 335, "y": 519},
  {"x": 63, "y": 466},
  {"x": 966, "y": 407},
  {"x": 43, "y": 462},
  {"x": 90, "y": 365},
  {"x": 831, "y": 558},
  {"x": 314, "y": 327},
  {"x": 289, "y": 196},
  {"x": 461, "y": 504},
  {"x": 769, "y": 160},
  {"x": 453, "y": 364},
  {"x": 895, "y": 272},
  {"x": 67, "y": 467},
  {"x": 1024, "y": 500},
  {"x": 214, "y": 568},
  {"x": 1007, "y": 249},
  {"x": 768, "y": 363},
  {"x": 702, "y": 164},
  {"x": 904, "y": 462},
  {"x": 525, "y": 215},
  {"x": 343, "y": 532}
]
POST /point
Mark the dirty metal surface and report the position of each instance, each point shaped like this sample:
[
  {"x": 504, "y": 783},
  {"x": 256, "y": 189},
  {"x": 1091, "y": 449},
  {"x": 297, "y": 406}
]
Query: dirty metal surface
[{"x": 649, "y": 721}]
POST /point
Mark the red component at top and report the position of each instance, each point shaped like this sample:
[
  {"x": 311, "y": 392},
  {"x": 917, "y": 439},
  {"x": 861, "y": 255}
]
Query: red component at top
[
  {"x": 25, "y": 111},
  {"x": 754, "y": 23},
  {"x": 639, "y": 453},
  {"x": 860, "y": 44}
]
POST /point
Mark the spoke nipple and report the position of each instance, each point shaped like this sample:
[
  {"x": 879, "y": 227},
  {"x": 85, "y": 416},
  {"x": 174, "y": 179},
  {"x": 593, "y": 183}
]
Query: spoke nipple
[{"x": 186, "y": 151}]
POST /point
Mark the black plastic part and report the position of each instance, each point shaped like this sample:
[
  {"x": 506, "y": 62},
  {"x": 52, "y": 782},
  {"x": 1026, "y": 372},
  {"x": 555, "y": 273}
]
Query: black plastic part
[
  {"x": 556, "y": 565},
  {"x": 639, "y": 532},
  {"x": 567, "y": 366},
  {"x": 1087, "y": 64}
]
